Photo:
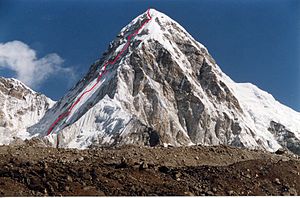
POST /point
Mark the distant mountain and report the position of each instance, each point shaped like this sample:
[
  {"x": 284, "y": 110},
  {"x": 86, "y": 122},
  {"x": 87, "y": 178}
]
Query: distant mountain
[
  {"x": 166, "y": 89},
  {"x": 20, "y": 107}
]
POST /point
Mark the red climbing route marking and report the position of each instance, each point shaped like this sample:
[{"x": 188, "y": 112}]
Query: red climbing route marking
[{"x": 66, "y": 113}]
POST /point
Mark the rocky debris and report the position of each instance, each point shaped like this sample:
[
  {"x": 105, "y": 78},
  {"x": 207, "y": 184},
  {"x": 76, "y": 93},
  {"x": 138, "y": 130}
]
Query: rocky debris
[
  {"x": 230, "y": 192},
  {"x": 277, "y": 181},
  {"x": 143, "y": 165},
  {"x": 293, "y": 191},
  {"x": 128, "y": 170}
]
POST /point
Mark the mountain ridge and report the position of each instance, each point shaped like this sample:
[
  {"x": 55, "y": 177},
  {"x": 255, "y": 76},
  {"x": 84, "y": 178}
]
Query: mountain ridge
[
  {"x": 167, "y": 89},
  {"x": 21, "y": 107}
]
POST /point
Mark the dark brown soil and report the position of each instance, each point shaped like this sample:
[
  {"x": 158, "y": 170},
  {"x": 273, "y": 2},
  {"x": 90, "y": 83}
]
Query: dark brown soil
[{"x": 37, "y": 171}]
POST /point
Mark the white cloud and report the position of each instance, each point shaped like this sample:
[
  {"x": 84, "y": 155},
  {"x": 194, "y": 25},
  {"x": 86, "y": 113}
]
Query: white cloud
[{"x": 20, "y": 58}]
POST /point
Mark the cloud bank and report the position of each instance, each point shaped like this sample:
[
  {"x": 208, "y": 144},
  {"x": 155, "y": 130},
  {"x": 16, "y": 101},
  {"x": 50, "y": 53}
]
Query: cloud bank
[{"x": 21, "y": 59}]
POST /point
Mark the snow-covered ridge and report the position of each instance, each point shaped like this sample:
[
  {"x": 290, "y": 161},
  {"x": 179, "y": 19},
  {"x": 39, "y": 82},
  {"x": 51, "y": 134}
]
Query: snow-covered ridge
[
  {"x": 264, "y": 108},
  {"x": 261, "y": 107},
  {"x": 13, "y": 82},
  {"x": 20, "y": 107},
  {"x": 88, "y": 87}
]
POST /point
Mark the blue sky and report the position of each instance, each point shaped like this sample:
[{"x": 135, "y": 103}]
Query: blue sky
[{"x": 251, "y": 40}]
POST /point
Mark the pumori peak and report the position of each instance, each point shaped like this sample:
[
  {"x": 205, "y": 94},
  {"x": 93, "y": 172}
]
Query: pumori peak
[{"x": 156, "y": 85}]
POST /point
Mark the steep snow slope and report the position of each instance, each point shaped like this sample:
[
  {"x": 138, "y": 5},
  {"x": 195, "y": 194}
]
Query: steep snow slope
[
  {"x": 262, "y": 110},
  {"x": 20, "y": 107},
  {"x": 167, "y": 89}
]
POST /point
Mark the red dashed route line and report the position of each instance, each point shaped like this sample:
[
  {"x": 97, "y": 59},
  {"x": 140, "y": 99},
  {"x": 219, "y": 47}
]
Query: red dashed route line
[{"x": 63, "y": 115}]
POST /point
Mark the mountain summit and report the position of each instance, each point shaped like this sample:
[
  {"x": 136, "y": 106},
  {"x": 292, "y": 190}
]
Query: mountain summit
[{"x": 164, "y": 88}]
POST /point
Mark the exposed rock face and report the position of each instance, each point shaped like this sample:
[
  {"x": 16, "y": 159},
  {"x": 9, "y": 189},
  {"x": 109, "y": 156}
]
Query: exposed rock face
[
  {"x": 165, "y": 89},
  {"x": 178, "y": 90},
  {"x": 20, "y": 107},
  {"x": 285, "y": 137}
]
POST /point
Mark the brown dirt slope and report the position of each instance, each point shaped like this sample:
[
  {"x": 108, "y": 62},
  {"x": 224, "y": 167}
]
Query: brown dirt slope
[{"x": 197, "y": 170}]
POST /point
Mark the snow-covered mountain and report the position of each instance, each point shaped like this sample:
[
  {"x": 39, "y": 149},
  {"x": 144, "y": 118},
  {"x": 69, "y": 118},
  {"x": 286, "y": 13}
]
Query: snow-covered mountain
[
  {"x": 165, "y": 88},
  {"x": 20, "y": 107}
]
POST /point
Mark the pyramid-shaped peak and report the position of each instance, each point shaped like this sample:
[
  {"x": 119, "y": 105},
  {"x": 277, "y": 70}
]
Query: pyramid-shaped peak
[
  {"x": 155, "y": 13},
  {"x": 154, "y": 85},
  {"x": 149, "y": 19},
  {"x": 153, "y": 25}
]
